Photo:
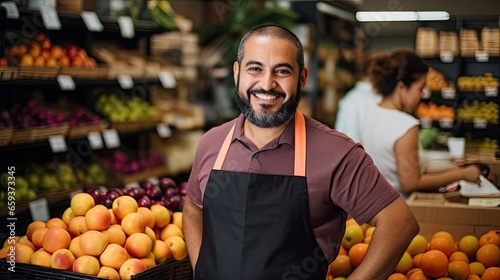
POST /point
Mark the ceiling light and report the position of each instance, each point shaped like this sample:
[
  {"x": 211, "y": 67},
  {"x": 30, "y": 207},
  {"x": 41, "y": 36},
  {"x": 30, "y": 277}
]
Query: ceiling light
[{"x": 401, "y": 16}]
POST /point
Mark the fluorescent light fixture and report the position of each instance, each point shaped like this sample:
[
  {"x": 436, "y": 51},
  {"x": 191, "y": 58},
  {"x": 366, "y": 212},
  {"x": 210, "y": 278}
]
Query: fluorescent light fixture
[{"x": 401, "y": 16}]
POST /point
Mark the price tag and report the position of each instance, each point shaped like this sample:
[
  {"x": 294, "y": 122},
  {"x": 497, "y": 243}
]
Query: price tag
[
  {"x": 491, "y": 91},
  {"x": 126, "y": 26},
  {"x": 480, "y": 123},
  {"x": 163, "y": 130},
  {"x": 73, "y": 193},
  {"x": 95, "y": 140},
  {"x": 446, "y": 56},
  {"x": 58, "y": 144},
  {"x": 167, "y": 79},
  {"x": 50, "y": 18},
  {"x": 39, "y": 210},
  {"x": 111, "y": 138},
  {"x": 484, "y": 202},
  {"x": 125, "y": 81},
  {"x": 12, "y": 11},
  {"x": 66, "y": 82},
  {"x": 92, "y": 21},
  {"x": 426, "y": 123},
  {"x": 427, "y": 93},
  {"x": 446, "y": 123},
  {"x": 448, "y": 93},
  {"x": 131, "y": 185},
  {"x": 482, "y": 56},
  {"x": 153, "y": 180}
]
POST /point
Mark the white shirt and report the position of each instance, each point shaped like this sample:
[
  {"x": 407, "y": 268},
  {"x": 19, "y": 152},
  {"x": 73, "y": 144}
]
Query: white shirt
[
  {"x": 351, "y": 109},
  {"x": 380, "y": 130}
]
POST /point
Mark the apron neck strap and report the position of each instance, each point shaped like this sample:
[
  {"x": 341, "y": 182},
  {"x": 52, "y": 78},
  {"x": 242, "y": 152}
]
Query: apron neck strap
[{"x": 300, "y": 146}]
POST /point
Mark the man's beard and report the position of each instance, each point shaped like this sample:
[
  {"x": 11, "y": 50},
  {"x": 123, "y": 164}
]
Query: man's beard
[{"x": 267, "y": 119}]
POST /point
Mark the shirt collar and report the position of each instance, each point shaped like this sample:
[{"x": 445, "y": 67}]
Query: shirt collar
[{"x": 287, "y": 137}]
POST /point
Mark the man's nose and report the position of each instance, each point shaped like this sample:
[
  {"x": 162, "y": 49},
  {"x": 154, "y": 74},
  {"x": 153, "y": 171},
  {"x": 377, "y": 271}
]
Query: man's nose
[{"x": 268, "y": 82}]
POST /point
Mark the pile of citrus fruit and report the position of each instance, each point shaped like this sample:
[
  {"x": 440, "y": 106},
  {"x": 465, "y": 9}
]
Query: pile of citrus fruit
[{"x": 442, "y": 257}]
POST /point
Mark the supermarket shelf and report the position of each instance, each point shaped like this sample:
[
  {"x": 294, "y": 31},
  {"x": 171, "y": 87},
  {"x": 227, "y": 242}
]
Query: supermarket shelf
[{"x": 78, "y": 82}]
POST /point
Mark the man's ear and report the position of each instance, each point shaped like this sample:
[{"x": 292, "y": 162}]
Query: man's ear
[
  {"x": 236, "y": 69},
  {"x": 303, "y": 77}
]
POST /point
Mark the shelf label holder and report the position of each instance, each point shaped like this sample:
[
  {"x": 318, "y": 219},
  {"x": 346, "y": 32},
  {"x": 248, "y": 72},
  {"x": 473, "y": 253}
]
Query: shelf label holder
[
  {"x": 95, "y": 140},
  {"x": 111, "y": 138},
  {"x": 491, "y": 91},
  {"x": 57, "y": 144},
  {"x": 39, "y": 209},
  {"x": 66, "y": 82},
  {"x": 92, "y": 21},
  {"x": 50, "y": 18},
  {"x": 125, "y": 81},
  {"x": 12, "y": 11},
  {"x": 446, "y": 56},
  {"x": 163, "y": 130},
  {"x": 126, "y": 26},
  {"x": 167, "y": 79},
  {"x": 482, "y": 56}
]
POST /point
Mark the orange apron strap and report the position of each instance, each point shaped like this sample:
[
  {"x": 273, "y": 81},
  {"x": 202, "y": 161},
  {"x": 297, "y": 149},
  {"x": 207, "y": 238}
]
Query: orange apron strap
[
  {"x": 223, "y": 150},
  {"x": 300, "y": 145}
]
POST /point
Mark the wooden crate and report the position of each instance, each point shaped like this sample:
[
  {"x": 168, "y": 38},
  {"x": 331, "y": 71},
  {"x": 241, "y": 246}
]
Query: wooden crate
[
  {"x": 5, "y": 135},
  {"x": 9, "y": 73},
  {"x": 85, "y": 72},
  {"x": 44, "y": 132},
  {"x": 35, "y": 72}
]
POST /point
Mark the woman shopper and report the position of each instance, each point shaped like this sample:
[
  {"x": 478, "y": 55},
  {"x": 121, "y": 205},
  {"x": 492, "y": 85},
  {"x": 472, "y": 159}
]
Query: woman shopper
[{"x": 390, "y": 133}]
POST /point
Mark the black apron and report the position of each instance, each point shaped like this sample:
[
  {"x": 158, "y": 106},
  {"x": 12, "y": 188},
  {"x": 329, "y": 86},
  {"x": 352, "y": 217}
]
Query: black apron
[{"x": 257, "y": 226}]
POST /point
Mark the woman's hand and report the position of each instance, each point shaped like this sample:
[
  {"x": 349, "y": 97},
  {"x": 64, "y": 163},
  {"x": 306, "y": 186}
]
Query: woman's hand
[{"x": 471, "y": 173}]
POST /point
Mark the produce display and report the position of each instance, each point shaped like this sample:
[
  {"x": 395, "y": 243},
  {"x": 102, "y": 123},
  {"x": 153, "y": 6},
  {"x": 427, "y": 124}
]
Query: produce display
[
  {"x": 477, "y": 83},
  {"x": 127, "y": 163},
  {"x": 443, "y": 256},
  {"x": 112, "y": 242},
  {"x": 29, "y": 115},
  {"x": 435, "y": 80},
  {"x": 120, "y": 109},
  {"x": 470, "y": 111},
  {"x": 434, "y": 112}
]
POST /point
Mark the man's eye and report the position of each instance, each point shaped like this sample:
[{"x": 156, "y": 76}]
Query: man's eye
[
  {"x": 254, "y": 69},
  {"x": 283, "y": 71}
]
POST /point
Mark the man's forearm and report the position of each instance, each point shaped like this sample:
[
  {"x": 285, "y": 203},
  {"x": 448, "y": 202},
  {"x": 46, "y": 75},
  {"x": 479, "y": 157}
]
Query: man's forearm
[{"x": 192, "y": 223}]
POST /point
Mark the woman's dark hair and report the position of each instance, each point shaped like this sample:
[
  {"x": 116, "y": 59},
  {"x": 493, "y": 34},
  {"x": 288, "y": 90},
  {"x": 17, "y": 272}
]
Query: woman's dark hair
[{"x": 399, "y": 65}]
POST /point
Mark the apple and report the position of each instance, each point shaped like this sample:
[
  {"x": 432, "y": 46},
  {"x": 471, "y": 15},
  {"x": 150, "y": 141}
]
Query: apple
[
  {"x": 64, "y": 61},
  {"x": 72, "y": 51},
  {"x": 124, "y": 205},
  {"x": 131, "y": 267},
  {"x": 352, "y": 236},
  {"x": 56, "y": 51},
  {"x": 3, "y": 62}
]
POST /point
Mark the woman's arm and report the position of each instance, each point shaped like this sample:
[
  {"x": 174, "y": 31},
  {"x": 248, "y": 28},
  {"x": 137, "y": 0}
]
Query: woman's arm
[{"x": 407, "y": 160}]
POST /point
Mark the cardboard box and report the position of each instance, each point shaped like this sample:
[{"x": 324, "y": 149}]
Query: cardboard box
[{"x": 451, "y": 212}]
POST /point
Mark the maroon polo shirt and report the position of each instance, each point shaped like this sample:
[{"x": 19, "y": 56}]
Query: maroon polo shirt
[{"x": 341, "y": 177}]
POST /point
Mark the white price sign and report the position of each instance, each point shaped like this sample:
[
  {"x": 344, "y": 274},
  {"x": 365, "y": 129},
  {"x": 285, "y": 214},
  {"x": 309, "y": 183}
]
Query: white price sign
[
  {"x": 95, "y": 140},
  {"x": 12, "y": 11},
  {"x": 427, "y": 93},
  {"x": 126, "y": 26},
  {"x": 92, "y": 21},
  {"x": 57, "y": 144},
  {"x": 448, "y": 93},
  {"x": 39, "y": 210},
  {"x": 50, "y": 18},
  {"x": 446, "y": 56},
  {"x": 111, "y": 138},
  {"x": 482, "y": 56},
  {"x": 66, "y": 82},
  {"x": 125, "y": 81},
  {"x": 163, "y": 130},
  {"x": 167, "y": 79},
  {"x": 480, "y": 123},
  {"x": 491, "y": 91}
]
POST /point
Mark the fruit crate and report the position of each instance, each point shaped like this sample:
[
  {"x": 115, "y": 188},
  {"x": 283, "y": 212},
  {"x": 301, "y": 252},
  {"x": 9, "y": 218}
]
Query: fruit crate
[
  {"x": 22, "y": 135},
  {"x": 44, "y": 132},
  {"x": 134, "y": 126},
  {"x": 100, "y": 72},
  {"x": 8, "y": 73},
  {"x": 37, "y": 72},
  {"x": 171, "y": 269},
  {"x": 5, "y": 136}
]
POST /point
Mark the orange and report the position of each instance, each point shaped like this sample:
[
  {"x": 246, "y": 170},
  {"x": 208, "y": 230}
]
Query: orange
[
  {"x": 491, "y": 273},
  {"x": 442, "y": 244},
  {"x": 417, "y": 245},
  {"x": 342, "y": 251},
  {"x": 473, "y": 277},
  {"x": 413, "y": 270},
  {"x": 434, "y": 263},
  {"x": 469, "y": 244},
  {"x": 341, "y": 266},
  {"x": 397, "y": 276},
  {"x": 458, "y": 270},
  {"x": 477, "y": 268},
  {"x": 444, "y": 234},
  {"x": 489, "y": 238},
  {"x": 418, "y": 275},
  {"x": 357, "y": 253},
  {"x": 489, "y": 255},
  {"x": 417, "y": 259},
  {"x": 458, "y": 256}
]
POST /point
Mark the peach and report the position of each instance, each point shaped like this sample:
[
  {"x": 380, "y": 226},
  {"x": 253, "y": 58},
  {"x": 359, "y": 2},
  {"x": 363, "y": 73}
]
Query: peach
[
  {"x": 38, "y": 235},
  {"x": 149, "y": 261},
  {"x": 41, "y": 257},
  {"x": 24, "y": 240},
  {"x": 77, "y": 226},
  {"x": 11, "y": 240},
  {"x": 56, "y": 223},
  {"x": 133, "y": 223},
  {"x": 62, "y": 259},
  {"x": 113, "y": 256},
  {"x": 131, "y": 267},
  {"x": 107, "y": 272},
  {"x": 55, "y": 239},
  {"x": 151, "y": 233},
  {"x": 161, "y": 251},
  {"x": 116, "y": 235},
  {"x": 81, "y": 203},
  {"x": 124, "y": 205},
  {"x": 178, "y": 247},
  {"x": 148, "y": 216},
  {"x": 74, "y": 247},
  {"x": 22, "y": 253},
  {"x": 98, "y": 217},
  {"x": 93, "y": 242},
  {"x": 170, "y": 230},
  {"x": 114, "y": 220},
  {"x": 138, "y": 245},
  {"x": 32, "y": 227},
  {"x": 68, "y": 215},
  {"x": 162, "y": 215},
  {"x": 4, "y": 251},
  {"x": 177, "y": 219},
  {"x": 86, "y": 264}
]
